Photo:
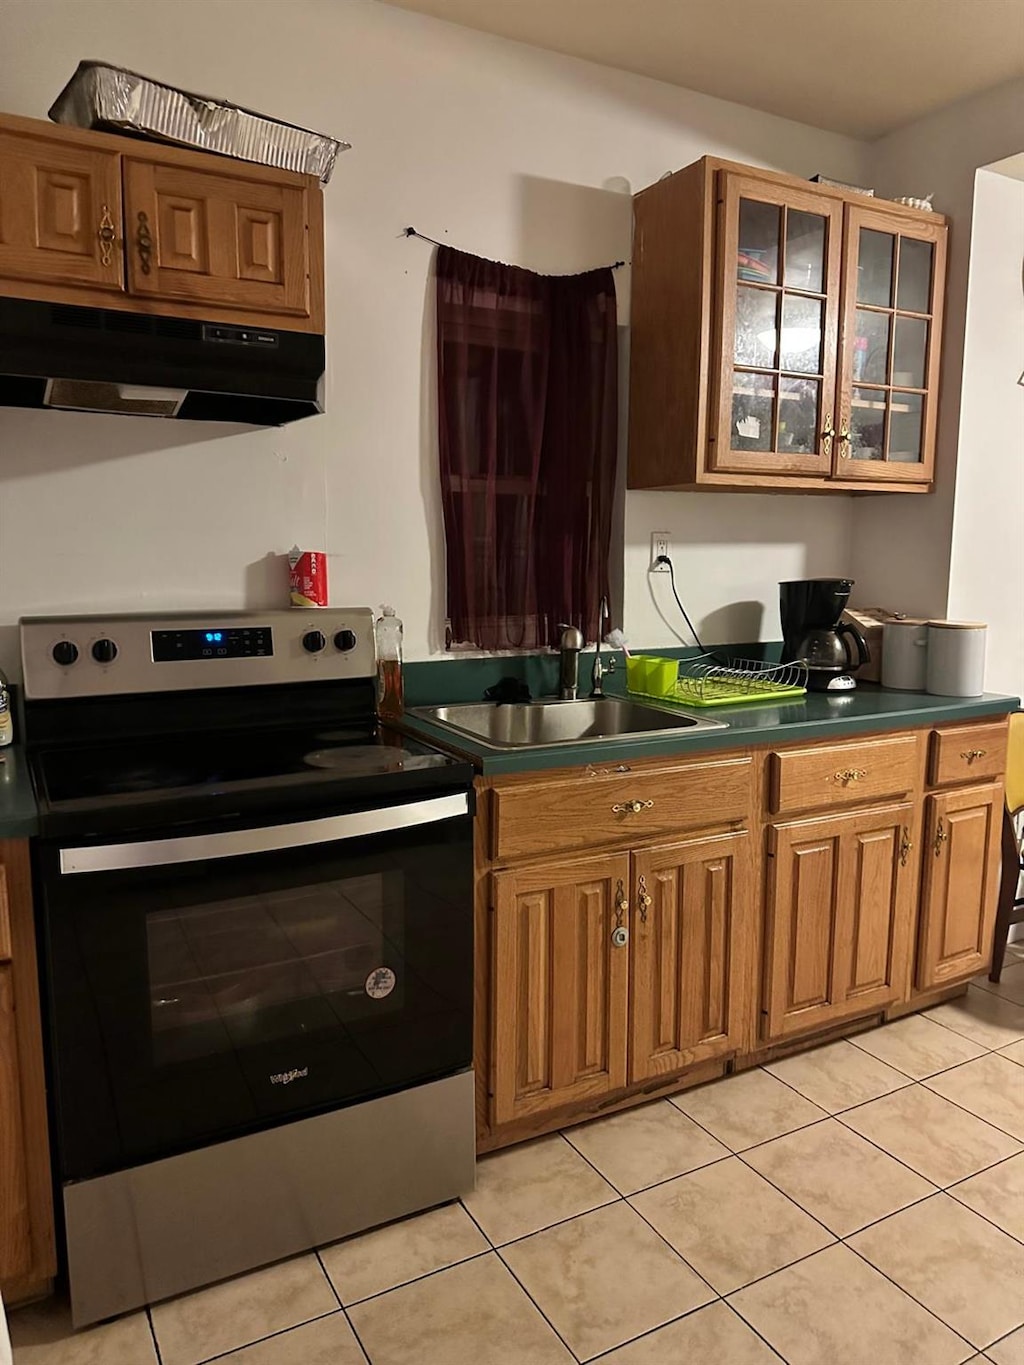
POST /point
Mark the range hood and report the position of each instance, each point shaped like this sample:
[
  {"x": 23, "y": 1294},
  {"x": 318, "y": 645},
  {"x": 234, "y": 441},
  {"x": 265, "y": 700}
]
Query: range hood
[{"x": 108, "y": 360}]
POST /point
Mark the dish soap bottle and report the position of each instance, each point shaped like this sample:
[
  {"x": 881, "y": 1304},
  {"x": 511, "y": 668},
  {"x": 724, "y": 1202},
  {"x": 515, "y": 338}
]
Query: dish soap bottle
[
  {"x": 6, "y": 717},
  {"x": 388, "y": 632}
]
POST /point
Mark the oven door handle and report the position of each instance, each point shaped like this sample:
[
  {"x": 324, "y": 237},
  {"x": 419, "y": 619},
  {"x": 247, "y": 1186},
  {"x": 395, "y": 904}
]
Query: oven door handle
[{"x": 198, "y": 848}]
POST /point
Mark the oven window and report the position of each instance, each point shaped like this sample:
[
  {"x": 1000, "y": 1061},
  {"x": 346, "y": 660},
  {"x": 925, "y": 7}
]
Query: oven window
[{"x": 261, "y": 969}]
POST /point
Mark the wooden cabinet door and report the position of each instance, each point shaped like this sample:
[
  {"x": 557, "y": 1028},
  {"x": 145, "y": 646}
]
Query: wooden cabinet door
[
  {"x": 960, "y": 857},
  {"x": 689, "y": 941},
  {"x": 778, "y": 270},
  {"x": 560, "y": 985},
  {"x": 233, "y": 239},
  {"x": 60, "y": 214},
  {"x": 15, "y": 1233},
  {"x": 893, "y": 278},
  {"x": 839, "y": 916}
]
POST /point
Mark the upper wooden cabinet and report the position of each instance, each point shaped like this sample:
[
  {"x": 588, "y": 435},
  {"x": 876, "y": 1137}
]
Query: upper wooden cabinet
[
  {"x": 784, "y": 335},
  {"x": 97, "y": 220}
]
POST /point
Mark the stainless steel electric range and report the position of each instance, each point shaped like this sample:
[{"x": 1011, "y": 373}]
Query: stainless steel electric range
[{"x": 257, "y": 934}]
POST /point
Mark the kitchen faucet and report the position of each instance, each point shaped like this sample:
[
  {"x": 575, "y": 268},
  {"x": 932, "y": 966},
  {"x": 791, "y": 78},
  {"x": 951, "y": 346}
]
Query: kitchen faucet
[
  {"x": 570, "y": 644},
  {"x": 596, "y": 685}
]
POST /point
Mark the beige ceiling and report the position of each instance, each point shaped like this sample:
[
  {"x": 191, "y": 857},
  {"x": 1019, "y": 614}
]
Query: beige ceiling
[{"x": 861, "y": 67}]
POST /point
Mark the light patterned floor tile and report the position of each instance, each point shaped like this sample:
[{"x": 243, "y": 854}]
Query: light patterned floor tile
[
  {"x": 1009, "y": 1351},
  {"x": 838, "y": 1076},
  {"x": 918, "y": 1046},
  {"x": 712, "y": 1336},
  {"x": 747, "y": 1108},
  {"x": 731, "y": 1226},
  {"x": 235, "y": 1312},
  {"x": 470, "y": 1314},
  {"x": 42, "y": 1335},
  {"x": 991, "y": 1087},
  {"x": 833, "y": 1307},
  {"x": 327, "y": 1341},
  {"x": 641, "y": 1146},
  {"x": 982, "y": 1017},
  {"x": 998, "y": 1195},
  {"x": 838, "y": 1177},
  {"x": 967, "y": 1272},
  {"x": 604, "y": 1278},
  {"x": 1010, "y": 985},
  {"x": 930, "y": 1135},
  {"x": 525, "y": 1188},
  {"x": 1015, "y": 1052},
  {"x": 393, "y": 1255}
]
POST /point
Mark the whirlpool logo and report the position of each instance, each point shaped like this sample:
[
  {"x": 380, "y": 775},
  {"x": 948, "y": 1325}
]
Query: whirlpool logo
[{"x": 286, "y": 1077}]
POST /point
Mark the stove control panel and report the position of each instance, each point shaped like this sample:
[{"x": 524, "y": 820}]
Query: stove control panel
[{"x": 99, "y": 656}]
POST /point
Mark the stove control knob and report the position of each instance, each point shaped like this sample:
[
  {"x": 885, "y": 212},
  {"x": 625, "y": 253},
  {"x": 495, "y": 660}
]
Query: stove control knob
[
  {"x": 104, "y": 651},
  {"x": 345, "y": 640},
  {"x": 314, "y": 641},
  {"x": 64, "y": 652}
]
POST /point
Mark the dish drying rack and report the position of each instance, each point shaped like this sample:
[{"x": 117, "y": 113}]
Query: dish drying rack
[{"x": 699, "y": 683}]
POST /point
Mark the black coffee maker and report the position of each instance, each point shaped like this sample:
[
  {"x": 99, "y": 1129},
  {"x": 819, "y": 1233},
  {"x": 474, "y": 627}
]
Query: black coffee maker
[{"x": 812, "y": 632}]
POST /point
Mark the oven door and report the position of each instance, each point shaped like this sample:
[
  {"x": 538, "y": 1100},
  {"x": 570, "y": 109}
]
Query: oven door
[{"x": 210, "y": 984}]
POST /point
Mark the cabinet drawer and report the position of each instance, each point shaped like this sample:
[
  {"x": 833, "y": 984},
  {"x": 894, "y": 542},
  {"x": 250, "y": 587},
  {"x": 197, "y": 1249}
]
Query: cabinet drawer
[
  {"x": 589, "y": 811},
  {"x": 842, "y": 774},
  {"x": 969, "y": 753}
]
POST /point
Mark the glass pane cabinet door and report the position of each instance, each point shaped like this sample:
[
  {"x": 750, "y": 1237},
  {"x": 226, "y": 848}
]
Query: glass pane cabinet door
[
  {"x": 779, "y": 276},
  {"x": 889, "y": 351}
]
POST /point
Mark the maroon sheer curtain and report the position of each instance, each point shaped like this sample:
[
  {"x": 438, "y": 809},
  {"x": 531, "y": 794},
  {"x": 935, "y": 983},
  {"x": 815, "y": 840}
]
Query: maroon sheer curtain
[{"x": 527, "y": 415}]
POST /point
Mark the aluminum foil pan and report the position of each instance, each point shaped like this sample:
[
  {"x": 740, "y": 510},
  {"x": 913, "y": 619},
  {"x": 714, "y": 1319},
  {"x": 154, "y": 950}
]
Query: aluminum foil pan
[{"x": 102, "y": 96}]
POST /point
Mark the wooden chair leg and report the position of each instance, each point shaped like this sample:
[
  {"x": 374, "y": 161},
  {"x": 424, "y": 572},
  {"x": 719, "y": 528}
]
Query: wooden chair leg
[{"x": 1007, "y": 895}]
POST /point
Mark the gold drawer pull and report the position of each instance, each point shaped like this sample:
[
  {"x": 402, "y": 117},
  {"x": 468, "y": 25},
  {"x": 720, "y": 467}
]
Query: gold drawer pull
[
  {"x": 971, "y": 754},
  {"x": 827, "y": 433},
  {"x": 144, "y": 242},
  {"x": 621, "y": 902},
  {"x": 107, "y": 236},
  {"x": 940, "y": 838},
  {"x": 846, "y": 775},
  {"x": 631, "y": 807},
  {"x": 845, "y": 442},
  {"x": 643, "y": 900},
  {"x": 905, "y": 847}
]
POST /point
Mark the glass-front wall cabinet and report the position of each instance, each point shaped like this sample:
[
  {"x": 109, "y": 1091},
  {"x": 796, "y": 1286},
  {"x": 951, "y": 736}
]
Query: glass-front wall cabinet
[
  {"x": 827, "y": 337},
  {"x": 889, "y": 354}
]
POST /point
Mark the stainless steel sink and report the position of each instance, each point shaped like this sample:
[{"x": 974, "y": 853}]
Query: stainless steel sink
[{"x": 538, "y": 724}]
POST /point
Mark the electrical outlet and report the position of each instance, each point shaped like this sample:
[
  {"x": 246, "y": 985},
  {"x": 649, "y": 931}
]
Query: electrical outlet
[{"x": 659, "y": 546}]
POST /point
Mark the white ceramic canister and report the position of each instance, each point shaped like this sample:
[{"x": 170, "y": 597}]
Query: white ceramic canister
[
  {"x": 905, "y": 653},
  {"x": 956, "y": 658}
]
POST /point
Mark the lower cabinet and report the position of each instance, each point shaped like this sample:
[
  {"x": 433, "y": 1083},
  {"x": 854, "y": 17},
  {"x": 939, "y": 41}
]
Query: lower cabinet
[
  {"x": 960, "y": 883},
  {"x": 560, "y": 985},
  {"x": 692, "y": 931},
  {"x": 840, "y": 910},
  {"x": 15, "y": 1236}
]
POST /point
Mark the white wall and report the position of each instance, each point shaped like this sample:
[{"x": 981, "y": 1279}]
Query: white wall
[
  {"x": 502, "y": 149},
  {"x": 986, "y": 574},
  {"x": 901, "y": 545}
]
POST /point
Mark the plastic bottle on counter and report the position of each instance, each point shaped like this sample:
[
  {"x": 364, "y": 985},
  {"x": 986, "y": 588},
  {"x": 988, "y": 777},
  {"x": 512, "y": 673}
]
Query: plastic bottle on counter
[
  {"x": 388, "y": 632},
  {"x": 6, "y": 715}
]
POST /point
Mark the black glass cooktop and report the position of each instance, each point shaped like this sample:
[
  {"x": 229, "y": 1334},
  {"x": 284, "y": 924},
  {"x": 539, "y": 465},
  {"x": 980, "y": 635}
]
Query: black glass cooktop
[{"x": 147, "y": 769}]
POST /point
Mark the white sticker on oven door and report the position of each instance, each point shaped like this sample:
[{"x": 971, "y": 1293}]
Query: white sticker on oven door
[{"x": 380, "y": 983}]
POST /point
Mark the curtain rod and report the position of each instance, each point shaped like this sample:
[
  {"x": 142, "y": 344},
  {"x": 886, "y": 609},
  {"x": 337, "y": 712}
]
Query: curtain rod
[{"x": 411, "y": 232}]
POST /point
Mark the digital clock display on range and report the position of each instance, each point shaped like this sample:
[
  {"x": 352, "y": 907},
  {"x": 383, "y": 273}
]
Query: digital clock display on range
[{"x": 212, "y": 642}]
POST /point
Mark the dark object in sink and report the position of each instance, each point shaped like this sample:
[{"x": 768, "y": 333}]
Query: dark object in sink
[{"x": 508, "y": 690}]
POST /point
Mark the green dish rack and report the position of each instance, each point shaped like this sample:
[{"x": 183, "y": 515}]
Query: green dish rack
[{"x": 708, "y": 684}]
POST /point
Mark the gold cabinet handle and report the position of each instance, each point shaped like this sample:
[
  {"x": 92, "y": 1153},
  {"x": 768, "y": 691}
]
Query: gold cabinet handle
[
  {"x": 144, "y": 243},
  {"x": 631, "y": 807},
  {"x": 847, "y": 775},
  {"x": 905, "y": 846},
  {"x": 643, "y": 900},
  {"x": 106, "y": 235},
  {"x": 971, "y": 754},
  {"x": 621, "y": 901},
  {"x": 827, "y": 433},
  {"x": 845, "y": 442},
  {"x": 940, "y": 838}
]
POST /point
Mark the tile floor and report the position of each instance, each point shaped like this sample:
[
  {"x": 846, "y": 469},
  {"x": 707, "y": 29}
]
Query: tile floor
[{"x": 861, "y": 1204}]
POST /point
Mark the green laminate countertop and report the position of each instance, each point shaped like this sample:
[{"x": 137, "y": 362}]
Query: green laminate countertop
[
  {"x": 818, "y": 715},
  {"x": 17, "y": 799}
]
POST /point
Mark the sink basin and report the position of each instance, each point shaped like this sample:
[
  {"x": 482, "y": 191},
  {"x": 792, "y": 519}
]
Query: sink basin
[{"x": 537, "y": 724}]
